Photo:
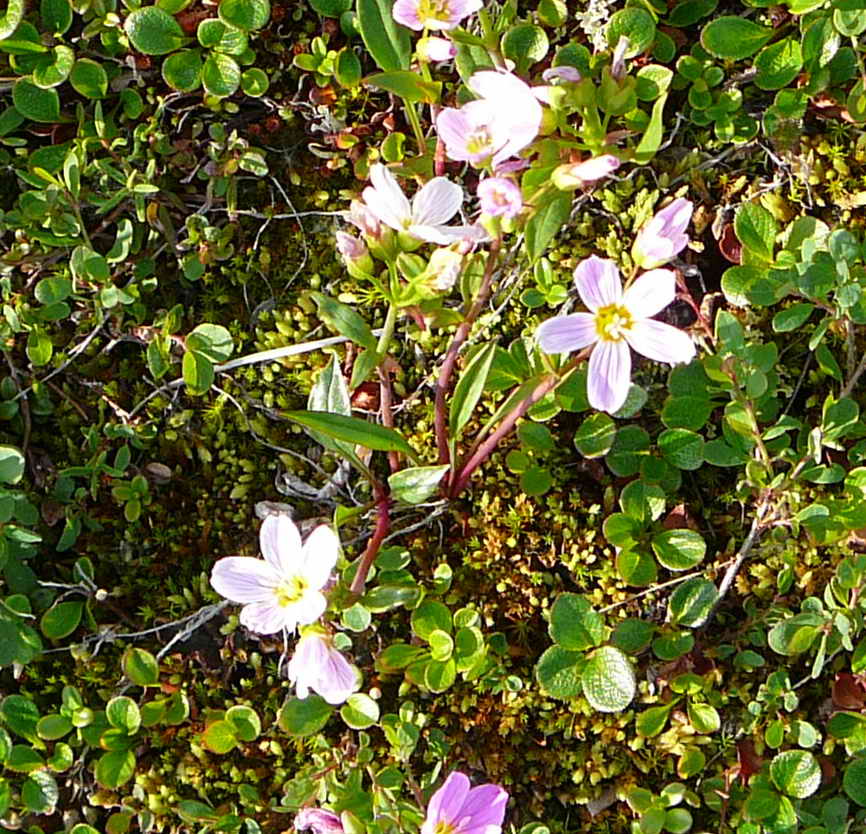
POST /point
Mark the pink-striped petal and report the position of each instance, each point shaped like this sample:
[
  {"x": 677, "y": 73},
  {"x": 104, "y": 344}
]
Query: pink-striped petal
[
  {"x": 307, "y": 609},
  {"x": 445, "y": 804},
  {"x": 244, "y": 579},
  {"x": 437, "y": 202},
  {"x": 597, "y": 281},
  {"x": 318, "y": 556},
  {"x": 485, "y": 806},
  {"x": 280, "y": 543},
  {"x": 265, "y": 618},
  {"x": 650, "y": 293},
  {"x": 661, "y": 342},
  {"x": 386, "y": 199},
  {"x": 564, "y": 334},
  {"x": 609, "y": 376},
  {"x": 406, "y": 13}
]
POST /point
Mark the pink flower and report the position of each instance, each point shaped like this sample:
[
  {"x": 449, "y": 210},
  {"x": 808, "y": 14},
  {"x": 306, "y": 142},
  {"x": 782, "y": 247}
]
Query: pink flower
[
  {"x": 435, "y": 49},
  {"x": 320, "y": 820},
  {"x": 363, "y": 219},
  {"x": 617, "y": 321},
  {"x": 458, "y": 809},
  {"x": 500, "y": 197},
  {"x": 433, "y": 14},
  {"x": 565, "y": 72},
  {"x": 504, "y": 120},
  {"x": 317, "y": 665},
  {"x": 285, "y": 588},
  {"x": 350, "y": 247},
  {"x": 582, "y": 173},
  {"x": 664, "y": 236},
  {"x": 424, "y": 218}
]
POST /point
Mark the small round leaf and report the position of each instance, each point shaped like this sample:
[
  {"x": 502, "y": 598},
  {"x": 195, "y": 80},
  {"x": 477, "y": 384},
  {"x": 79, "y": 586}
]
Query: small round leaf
[{"x": 608, "y": 680}]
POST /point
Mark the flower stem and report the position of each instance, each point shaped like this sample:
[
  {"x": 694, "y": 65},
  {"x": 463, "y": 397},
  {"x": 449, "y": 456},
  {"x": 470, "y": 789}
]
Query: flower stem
[
  {"x": 383, "y": 524},
  {"x": 412, "y": 115},
  {"x": 443, "y": 382},
  {"x": 484, "y": 451}
]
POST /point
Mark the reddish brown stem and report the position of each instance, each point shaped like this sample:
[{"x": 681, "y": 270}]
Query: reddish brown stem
[
  {"x": 385, "y": 400},
  {"x": 486, "y": 448},
  {"x": 443, "y": 383},
  {"x": 383, "y": 524}
]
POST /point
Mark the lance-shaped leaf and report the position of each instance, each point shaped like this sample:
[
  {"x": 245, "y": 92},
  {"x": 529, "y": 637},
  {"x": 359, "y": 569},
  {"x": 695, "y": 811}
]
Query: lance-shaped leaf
[
  {"x": 469, "y": 389},
  {"x": 344, "y": 320}
]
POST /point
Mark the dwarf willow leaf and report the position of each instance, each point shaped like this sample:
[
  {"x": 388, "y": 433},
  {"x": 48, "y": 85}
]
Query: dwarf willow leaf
[
  {"x": 248, "y": 15},
  {"x": 89, "y": 79},
  {"x": 35, "y": 103},
  {"x": 691, "y": 602},
  {"x": 254, "y": 82},
  {"x": 558, "y": 672},
  {"x": 574, "y": 624},
  {"x": 182, "y": 72},
  {"x": 778, "y": 64},
  {"x": 153, "y": 31},
  {"x": 854, "y": 780},
  {"x": 796, "y": 773},
  {"x": 360, "y": 711},
  {"x": 220, "y": 75},
  {"x": 734, "y": 37},
  {"x": 634, "y": 23},
  {"x": 608, "y": 680}
]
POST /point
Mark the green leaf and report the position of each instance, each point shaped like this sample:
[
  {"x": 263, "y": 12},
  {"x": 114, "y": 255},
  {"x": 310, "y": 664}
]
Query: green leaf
[
  {"x": 652, "y": 721},
  {"x": 525, "y": 44},
  {"x": 10, "y": 19},
  {"x": 440, "y": 676},
  {"x": 634, "y": 23},
  {"x": 140, "y": 666},
  {"x": 331, "y": 8},
  {"x": 778, "y": 64},
  {"x": 734, "y": 38},
  {"x": 222, "y": 37},
  {"x": 408, "y": 85},
  {"x": 574, "y": 624},
  {"x": 854, "y": 781},
  {"x": 652, "y": 136},
  {"x": 61, "y": 619},
  {"x": 595, "y": 436},
  {"x": 182, "y": 72},
  {"x": 153, "y": 31},
  {"x": 545, "y": 223},
  {"x": 632, "y": 635},
  {"x": 469, "y": 389},
  {"x": 558, "y": 672},
  {"x": 353, "y": 430},
  {"x": 795, "y": 634},
  {"x": 416, "y": 483},
  {"x": 653, "y": 80},
  {"x": 198, "y": 372},
  {"x": 360, "y": 711},
  {"x": 679, "y": 549},
  {"x": 115, "y": 769},
  {"x": 704, "y": 717},
  {"x": 636, "y": 567},
  {"x": 430, "y": 616},
  {"x": 686, "y": 412},
  {"x": 387, "y": 41},
  {"x": 245, "y": 722},
  {"x": 219, "y": 737},
  {"x": 756, "y": 230},
  {"x": 220, "y": 75},
  {"x": 793, "y": 317},
  {"x": 20, "y": 715},
  {"x": 682, "y": 448},
  {"x": 122, "y": 713},
  {"x": 248, "y": 15},
  {"x": 89, "y": 79},
  {"x": 54, "y": 68},
  {"x": 56, "y": 16},
  {"x": 35, "y": 103},
  {"x": 254, "y": 82},
  {"x": 692, "y": 601},
  {"x": 11, "y": 465},
  {"x": 344, "y": 320},
  {"x": 796, "y": 773},
  {"x": 54, "y": 726},
  {"x": 40, "y": 792},
  {"x": 608, "y": 680}
]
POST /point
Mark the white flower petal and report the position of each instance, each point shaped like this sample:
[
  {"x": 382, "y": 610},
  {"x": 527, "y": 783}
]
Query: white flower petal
[
  {"x": 437, "y": 202},
  {"x": 650, "y": 293},
  {"x": 307, "y": 609},
  {"x": 386, "y": 199},
  {"x": 265, "y": 618},
  {"x": 661, "y": 342},
  {"x": 244, "y": 579},
  {"x": 319, "y": 556},
  {"x": 564, "y": 334},
  {"x": 280, "y": 543},
  {"x": 609, "y": 376},
  {"x": 443, "y": 235},
  {"x": 597, "y": 281}
]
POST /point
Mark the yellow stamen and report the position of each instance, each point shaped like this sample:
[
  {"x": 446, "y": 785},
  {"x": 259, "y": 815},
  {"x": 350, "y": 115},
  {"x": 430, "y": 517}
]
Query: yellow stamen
[
  {"x": 443, "y": 827},
  {"x": 434, "y": 10},
  {"x": 290, "y": 590},
  {"x": 612, "y": 322}
]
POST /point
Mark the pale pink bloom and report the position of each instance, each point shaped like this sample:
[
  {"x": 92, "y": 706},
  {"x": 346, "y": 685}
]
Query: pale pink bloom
[
  {"x": 504, "y": 120},
  {"x": 511, "y": 167},
  {"x": 617, "y": 321},
  {"x": 500, "y": 197},
  {"x": 284, "y": 589},
  {"x": 664, "y": 236},
  {"x": 424, "y": 218},
  {"x": 458, "y": 808},
  {"x": 565, "y": 72},
  {"x": 317, "y": 665},
  {"x": 320, "y": 820},
  {"x": 443, "y": 270},
  {"x": 350, "y": 247},
  {"x": 363, "y": 219},
  {"x": 435, "y": 49},
  {"x": 617, "y": 64},
  {"x": 582, "y": 173},
  {"x": 433, "y": 14}
]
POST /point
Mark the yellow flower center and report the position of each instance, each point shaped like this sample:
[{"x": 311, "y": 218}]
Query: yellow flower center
[
  {"x": 290, "y": 590},
  {"x": 612, "y": 322},
  {"x": 478, "y": 141},
  {"x": 434, "y": 10},
  {"x": 443, "y": 827}
]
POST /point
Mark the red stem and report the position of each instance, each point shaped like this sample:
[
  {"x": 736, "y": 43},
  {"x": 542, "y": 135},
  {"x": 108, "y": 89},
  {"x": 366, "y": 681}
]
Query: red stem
[
  {"x": 383, "y": 525},
  {"x": 443, "y": 383}
]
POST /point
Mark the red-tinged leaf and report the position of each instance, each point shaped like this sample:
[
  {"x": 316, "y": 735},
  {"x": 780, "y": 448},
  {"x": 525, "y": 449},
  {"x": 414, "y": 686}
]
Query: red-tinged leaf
[
  {"x": 849, "y": 692},
  {"x": 749, "y": 761}
]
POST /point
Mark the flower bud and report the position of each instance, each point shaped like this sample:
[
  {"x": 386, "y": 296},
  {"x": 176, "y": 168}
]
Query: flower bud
[
  {"x": 355, "y": 255},
  {"x": 579, "y": 174},
  {"x": 319, "y": 820},
  {"x": 663, "y": 237},
  {"x": 435, "y": 50}
]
